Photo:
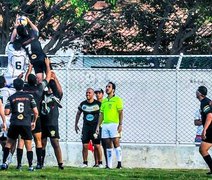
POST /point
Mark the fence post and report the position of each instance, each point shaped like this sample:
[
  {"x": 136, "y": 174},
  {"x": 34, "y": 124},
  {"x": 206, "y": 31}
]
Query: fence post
[{"x": 177, "y": 94}]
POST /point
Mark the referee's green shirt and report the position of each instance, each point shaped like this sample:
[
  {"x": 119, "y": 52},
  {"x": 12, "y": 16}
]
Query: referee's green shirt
[{"x": 110, "y": 108}]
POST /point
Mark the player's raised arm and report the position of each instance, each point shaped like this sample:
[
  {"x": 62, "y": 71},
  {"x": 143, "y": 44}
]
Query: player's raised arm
[
  {"x": 33, "y": 26},
  {"x": 14, "y": 33},
  {"x": 48, "y": 69}
]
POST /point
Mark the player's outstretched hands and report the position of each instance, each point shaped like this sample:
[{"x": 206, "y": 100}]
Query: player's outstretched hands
[
  {"x": 17, "y": 22},
  {"x": 77, "y": 129}
]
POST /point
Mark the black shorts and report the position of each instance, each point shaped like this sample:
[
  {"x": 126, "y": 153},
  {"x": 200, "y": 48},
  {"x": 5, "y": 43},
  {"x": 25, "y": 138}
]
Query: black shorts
[
  {"x": 50, "y": 131},
  {"x": 87, "y": 134},
  {"x": 208, "y": 136},
  {"x": 37, "y": 127},
  {"x": 40, "y": 65},
  {"x": 24, "y": 131}
]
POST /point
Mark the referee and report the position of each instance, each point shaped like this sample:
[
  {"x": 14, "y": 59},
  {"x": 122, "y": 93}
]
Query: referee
[{"x": 111, "y": 116}]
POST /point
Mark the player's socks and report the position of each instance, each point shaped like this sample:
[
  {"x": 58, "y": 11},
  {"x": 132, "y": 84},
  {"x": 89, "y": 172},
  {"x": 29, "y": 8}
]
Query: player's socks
[
  {"x": 43, "y": 156},
  {"x": 60, "y": 166},
  {"x": 118, "y": 153},
  {"x": 39, "y": 155},
  {"x": 19, "y": 156},
  {"x": 110, "y": 158},
  {"x": 9, "y": 158},
  {"x": 6, "y": 153},
  {"x": 85, "y": 162},
  {"x": 30, "y": 157},
  {"x": 99, "y": 162},
  {"x": 208, "y": 160}
]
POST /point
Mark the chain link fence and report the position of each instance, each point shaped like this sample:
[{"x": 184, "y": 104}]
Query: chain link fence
[{"x": 158, "y": 93}]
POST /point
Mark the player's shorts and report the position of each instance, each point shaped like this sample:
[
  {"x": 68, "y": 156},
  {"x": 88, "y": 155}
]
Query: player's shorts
[
  {"x": 24, "y": 131},
  {"x": 110, "y": 131},
  {"x": 50, "y": 131},
  {"x": 87, "y": 134},
  {"x": 208, "y": 136},
  {"x": 37, "y": 127},
  {"x": 39, "y": 65}
]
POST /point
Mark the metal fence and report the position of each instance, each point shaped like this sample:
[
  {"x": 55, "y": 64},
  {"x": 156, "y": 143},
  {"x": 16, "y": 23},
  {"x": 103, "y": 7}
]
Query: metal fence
[{"x": 158, "y": 93}]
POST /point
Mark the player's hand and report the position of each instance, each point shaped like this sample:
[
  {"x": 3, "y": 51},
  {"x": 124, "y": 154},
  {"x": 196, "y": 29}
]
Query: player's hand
[
  {"x": 119, "y": 129},
  {"x": 97, "y": 130},
  {"x": 77, "y": 129},
  {"x": 17, "y": 22},
  {"x": 204, "y": 134},
  {"x": 21, "y": 75},
  {"x": 47, "y": 61},
  {"x": 32, "y": 125},
  {"x": 53, "y": 75},
  {"x": 30, "y": 66}
]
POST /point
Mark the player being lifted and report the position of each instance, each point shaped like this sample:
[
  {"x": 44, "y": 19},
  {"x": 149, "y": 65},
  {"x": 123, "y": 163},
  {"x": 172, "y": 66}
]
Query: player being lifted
[{"x": 32, "y": 46}]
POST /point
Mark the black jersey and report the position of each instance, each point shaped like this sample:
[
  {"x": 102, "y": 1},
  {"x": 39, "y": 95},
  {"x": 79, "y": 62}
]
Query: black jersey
[
  {"x": 49, "y": 111},
  {"x": 36, "y": 91},
  {"x": 33, "y": 48},
  {"x": 205, "y": 108},
  {"x": 90, "y": 112},
  {"x": 21, "y": 105}
]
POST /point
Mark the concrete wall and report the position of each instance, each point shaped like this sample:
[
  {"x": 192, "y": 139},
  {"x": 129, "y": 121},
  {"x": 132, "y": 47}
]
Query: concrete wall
[{"x": 134, "y": 156}]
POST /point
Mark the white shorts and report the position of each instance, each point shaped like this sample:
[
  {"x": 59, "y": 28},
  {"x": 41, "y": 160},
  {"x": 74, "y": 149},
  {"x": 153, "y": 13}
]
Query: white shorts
[{"x": 110, "y": 131}]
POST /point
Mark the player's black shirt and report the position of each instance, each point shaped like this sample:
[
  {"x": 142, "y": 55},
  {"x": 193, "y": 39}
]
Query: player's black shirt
[
  {"x": 205, "y": 108},
  {"x": 36, "y": 91},
  {"x": 50, "y": 117},
  {"x": 20, "y": 105},
  {"x": 90, "y": 112},
  {"x": 33, "y": 48}
]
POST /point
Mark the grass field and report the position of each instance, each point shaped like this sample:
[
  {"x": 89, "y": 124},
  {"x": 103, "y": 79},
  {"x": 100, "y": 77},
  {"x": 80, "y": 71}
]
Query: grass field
[{"x": 95, "y": 173}]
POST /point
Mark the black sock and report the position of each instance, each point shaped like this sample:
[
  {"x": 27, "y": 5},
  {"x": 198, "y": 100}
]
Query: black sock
[
  {"x": 39, "y": 155},
  {"x": 30, "y": 157},
  {"x": 85, "y": 162},
  {"x": 43, "y": 156},
  {"x": 99, "y": 162},
  {"x": 6, "y": 153},
  {"x": 119, "y": 164},
  {"x": 19, "y": 156},
  {"x": 208, "y": 160}
]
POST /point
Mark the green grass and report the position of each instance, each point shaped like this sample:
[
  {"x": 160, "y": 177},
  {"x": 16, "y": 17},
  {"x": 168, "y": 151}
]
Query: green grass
[{"x": 100, "y": 174}]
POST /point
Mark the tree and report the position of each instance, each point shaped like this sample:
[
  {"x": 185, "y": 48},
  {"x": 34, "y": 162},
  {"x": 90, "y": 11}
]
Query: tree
[
  {"x": 60, "y": 21},
  {"x": 156, "y": 27}
]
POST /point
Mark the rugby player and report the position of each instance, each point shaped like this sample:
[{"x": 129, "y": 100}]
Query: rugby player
[
  {"x": 90, "y": 109},
  {"x": 206, "y": 116},
  {"x": 36, "y": 89},
  {"x": 17, "y": 59},
  {"x": 20, "y": 105},
  {"x": 32, "y": 46},
  {"x": 49, "y": 119}
]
